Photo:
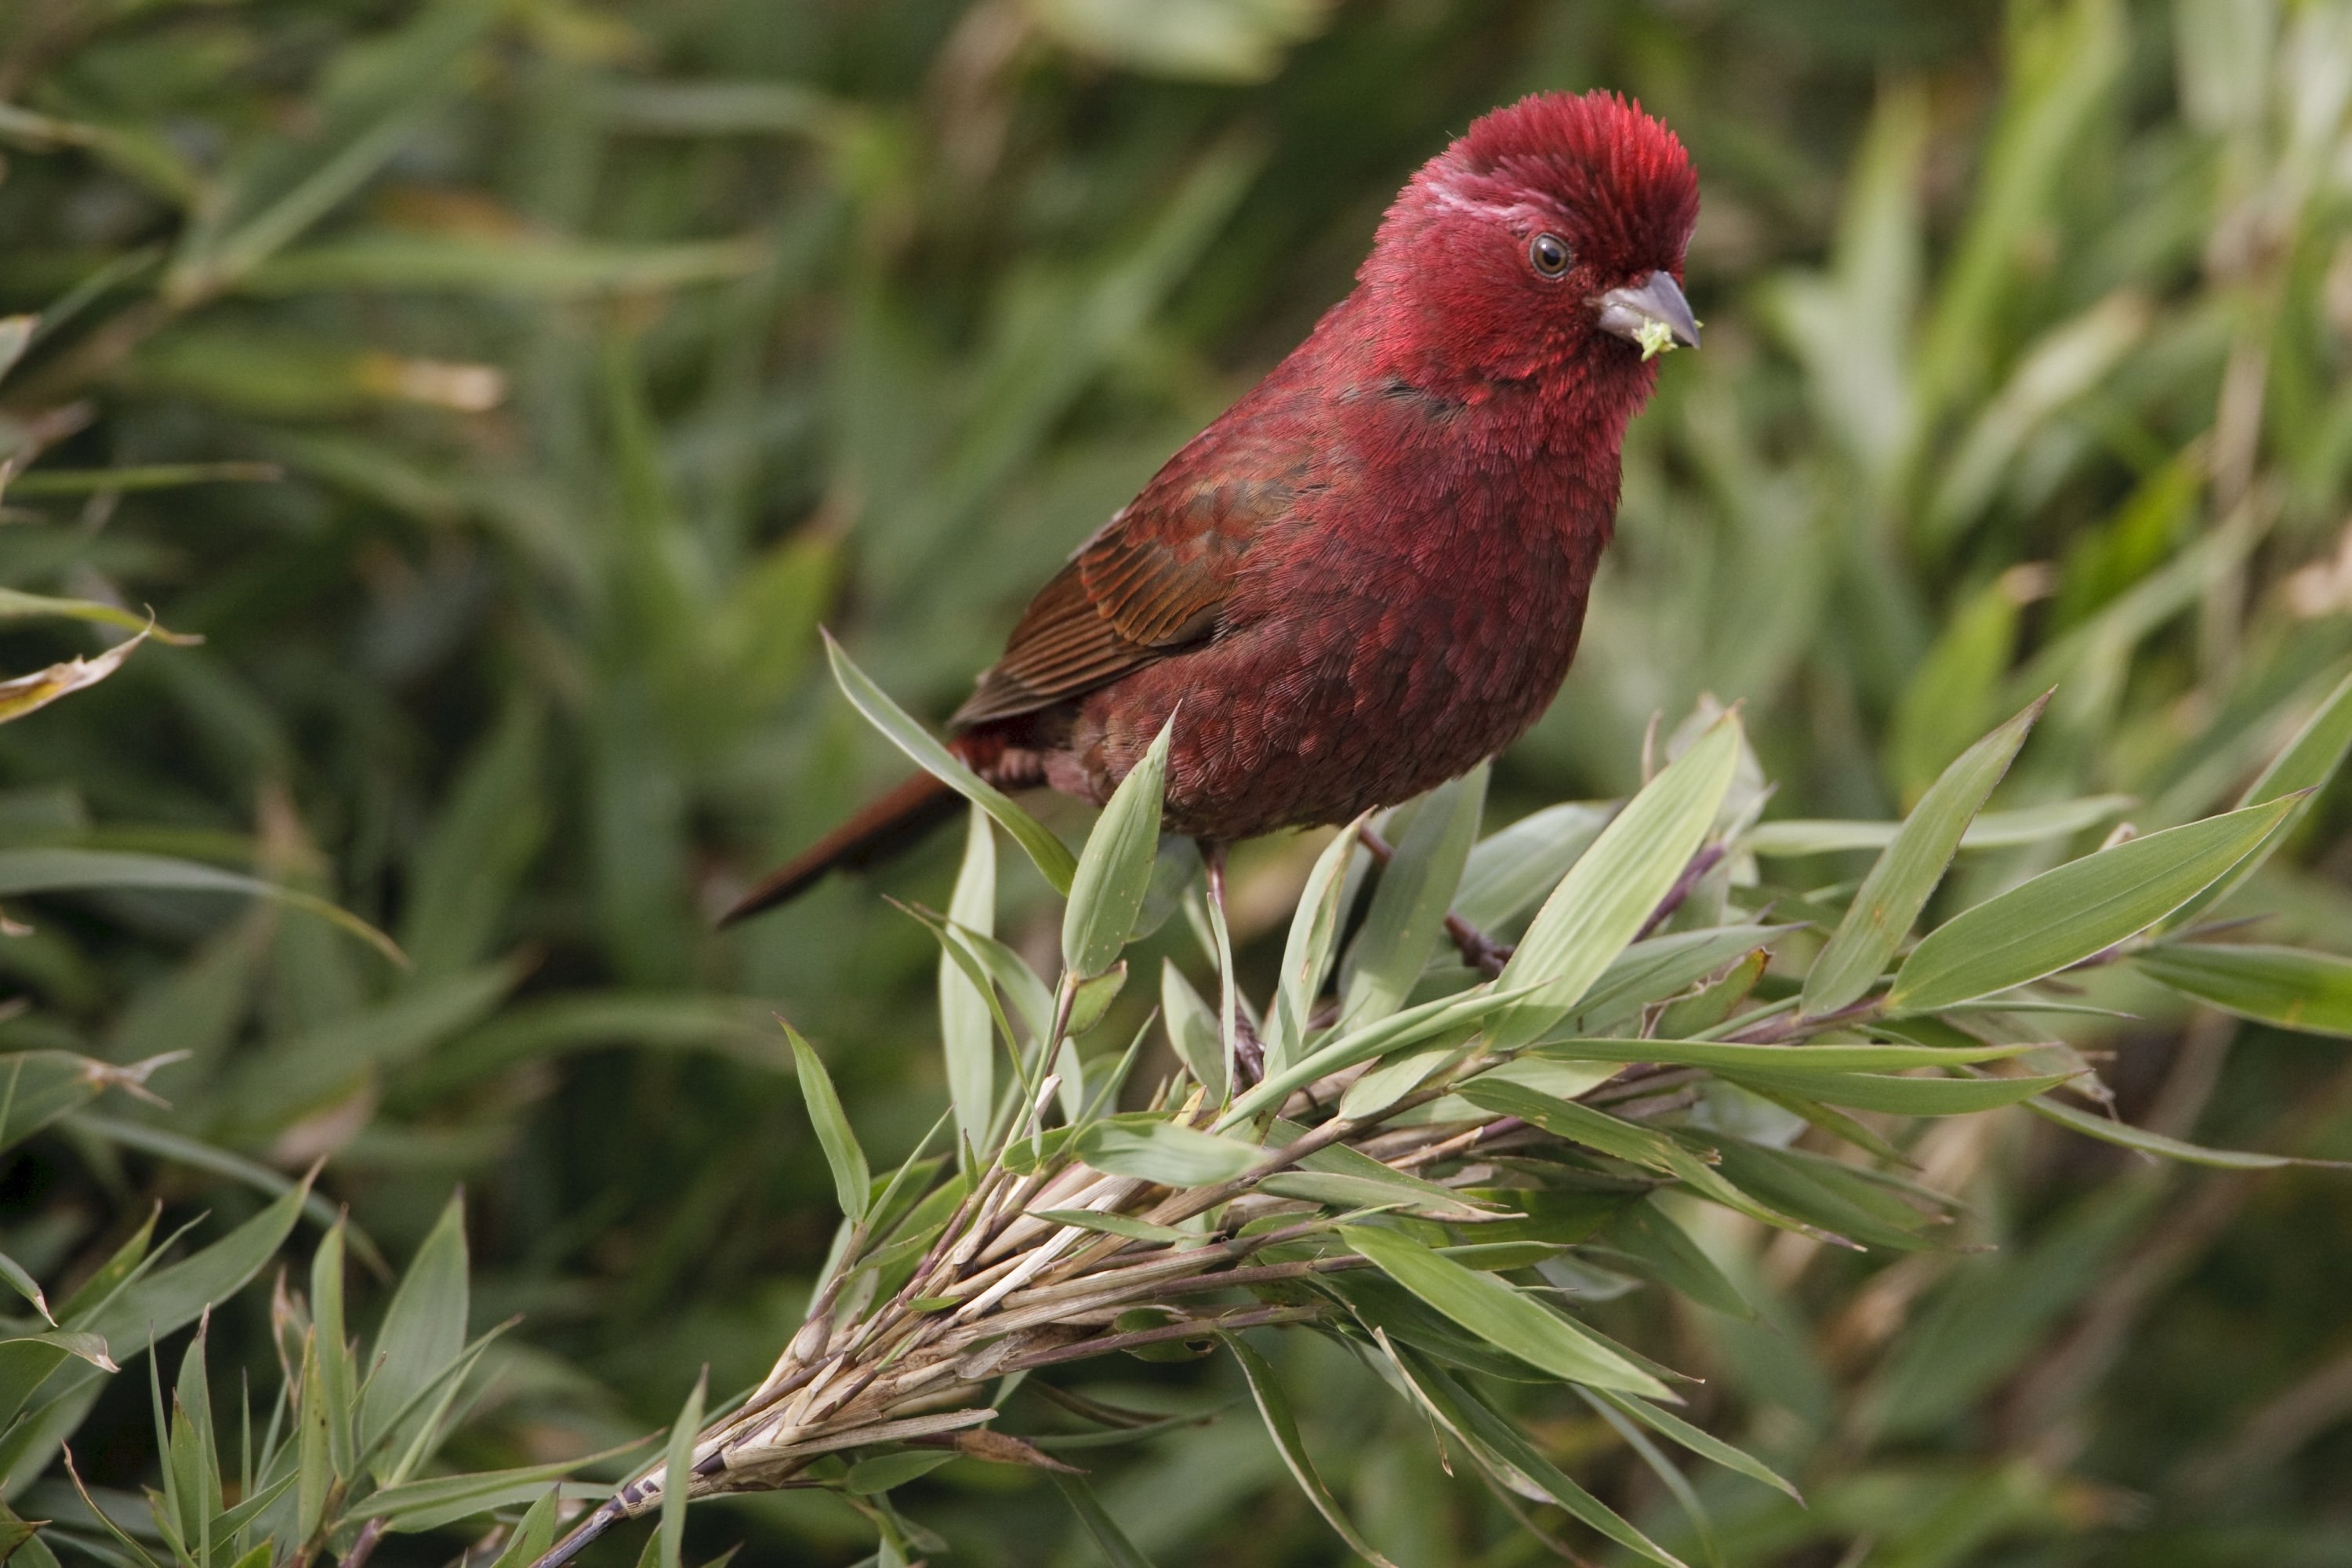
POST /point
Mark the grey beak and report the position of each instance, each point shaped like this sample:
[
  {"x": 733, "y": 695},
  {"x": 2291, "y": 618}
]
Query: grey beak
[{"x": 1637, "y": 312}]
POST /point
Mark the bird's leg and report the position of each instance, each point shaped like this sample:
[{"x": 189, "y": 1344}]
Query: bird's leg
[
  {"x": 1479, "y": 951},
  {"x": 1249, "y": 1051}
]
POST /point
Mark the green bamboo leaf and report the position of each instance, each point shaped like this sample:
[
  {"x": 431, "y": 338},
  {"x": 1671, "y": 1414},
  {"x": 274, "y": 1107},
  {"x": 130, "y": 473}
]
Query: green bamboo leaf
[
  {"x": 1510, "y": 870},
  {"x": 851, "y": 1182},
  {"x": 1666, "y": 1252},
  {"x": 1599, "y": 906},
  {"x": 1032, "y": 999},
  {"x": 1686, "y": 1496},
  {"x": 1357, "y": 1188},
  {"x": 1117, "y": 1548},
  {"x": 1395, "y": 1033},
  {"x": 1908, "y": 869},
  {"x": 1052, "y": 856},
  {"x": 966, "y": 1008},
  {"x": 1275, "y": 1409},
  {"x": 24, "y": 1284},
  {"x": 1115, "y": 868},
  {"x": 192, "y": 1455},
  {"x": 2308, "y": 764},
  {"x": 535, "y": 1534},
  {"x": 1462, "y": 1412},
  {"x": 1306, "y": 956},
  {"x": 74, "y": 870},
  {"x": 1408, "y": 908},
  {"x": 1157, "y": 1150},
  {"x": 677, "y": 1469},
  {"x": 416, "y": 1506},
  {"x": 1191, "y": 1030},
  {"x": 1903, "y": 1096},
  {"x": 879, "y": 1474},
  {"x": 2073, "y": 910},
  {"x": 1951, "y": 694},
  {"x": 2125, "y": 1135},
  {"x": 16, "y": 605},
  {"x": 126, "y": 1263},
  {"x": 1663, "y": 966},
  {"x": 85, "y": 1347},
  {"x": 424, "y": 1331},
  {"x": 1622, "y": 1140},
  {"x": 338, "y": 1381},
  {"x": 1133, "y": 1229},
  {"x": 2292, "y": 988},
  {"x": 1504, "y": 1316},
  {"x": 1391, "y": 1081},
  {"x": 1993, "y": 830},
  {"x": 170, "y": 1298},
  {"x": 1725, "y": 1056},
  {"x": 314, "y": 1466},
  {"x": 1822, "y": 1193}
]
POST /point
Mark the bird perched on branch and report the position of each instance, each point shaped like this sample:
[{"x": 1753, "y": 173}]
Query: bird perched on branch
[{"x": 1368, "y": 575}]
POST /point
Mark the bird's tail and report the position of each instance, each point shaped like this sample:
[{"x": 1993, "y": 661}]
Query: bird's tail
[{"x": 890, "y": 826}]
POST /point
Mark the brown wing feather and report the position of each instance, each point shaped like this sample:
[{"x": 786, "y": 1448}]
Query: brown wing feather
[{"x": 1150, "y": 584}]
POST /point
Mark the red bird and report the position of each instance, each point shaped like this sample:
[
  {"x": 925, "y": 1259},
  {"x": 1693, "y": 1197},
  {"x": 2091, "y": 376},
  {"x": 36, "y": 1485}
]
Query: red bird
[{"x": 1370, "y": 574}]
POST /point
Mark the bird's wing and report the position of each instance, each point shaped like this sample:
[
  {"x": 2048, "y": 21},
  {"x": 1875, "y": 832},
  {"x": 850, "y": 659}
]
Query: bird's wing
[{"x": 1153, "y": 582}]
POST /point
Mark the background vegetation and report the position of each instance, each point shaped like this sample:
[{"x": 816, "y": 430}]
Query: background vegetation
[{"x": 596, "y": 353}]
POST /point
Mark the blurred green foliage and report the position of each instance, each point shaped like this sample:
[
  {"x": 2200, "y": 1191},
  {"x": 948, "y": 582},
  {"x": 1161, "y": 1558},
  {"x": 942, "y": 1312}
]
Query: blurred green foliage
[{"x": 605, "y": 351}]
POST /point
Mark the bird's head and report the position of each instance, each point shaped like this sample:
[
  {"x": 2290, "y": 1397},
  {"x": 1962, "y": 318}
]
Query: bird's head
[{"x": 1546, "y": 244}]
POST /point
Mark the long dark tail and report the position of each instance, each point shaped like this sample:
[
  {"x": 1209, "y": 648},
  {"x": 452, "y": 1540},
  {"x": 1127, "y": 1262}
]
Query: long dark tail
[{"x": 889, "y": 827}]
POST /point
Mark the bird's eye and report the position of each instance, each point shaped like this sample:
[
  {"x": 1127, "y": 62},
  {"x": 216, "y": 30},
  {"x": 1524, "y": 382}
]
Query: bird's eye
[{"x": 1549, "y": 255}]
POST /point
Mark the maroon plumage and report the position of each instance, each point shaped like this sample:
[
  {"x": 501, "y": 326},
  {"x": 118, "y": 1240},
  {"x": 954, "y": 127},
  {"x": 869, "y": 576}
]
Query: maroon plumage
[{"x": 1370, "y": 574}]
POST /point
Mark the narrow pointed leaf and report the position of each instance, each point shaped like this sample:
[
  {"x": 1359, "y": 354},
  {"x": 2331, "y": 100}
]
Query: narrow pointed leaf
[
  {"x": 1409, "y": 907},
  {"x": 535, "y": 1534},
  {"x": 1511, "y": 870},
  {"x": 1728, "y": 1057},
  {"x": 1156, "y": 1150},
  {"x": 424, "y": 1331},
  {"x": 61, "y": 871},
  {"x": 2125, "y": 1135},
  {"x": 1506, "y": 1318},
  {"x": 1115, "y": 870},
  {"x": 1116, "y": 1549},
  {"x": 965, "y": 1010},
  {"x": 2292, "y": 988},
  {"x": 2073, "y": 910},
  {"x": 1698, "y": 1442},
  {"x": 1904, "y": 1096},
  {"x": 1283, "y": 1427},
  {"x": 1600, "y": 905},
  {"x": 1993, "y": 830},
  {"x": 1306, "y": 956},
  {"x": 1908, "y": 869},
  {"x": 19, "y": 1280},
  {"x": 1398, "y": 1032},
  {"x": 852, "y": 1181},
  {"x": 1053, "y": 857},
  {"x": 1462, "y": 1412},
  {"x": 338, "y": 1382},
  {"x": 678, "y": 1467},
  {"x": 1192, "y": 1031},
  {"x": 2309, "y": 761}
]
